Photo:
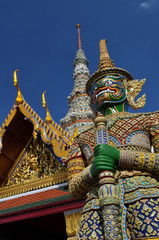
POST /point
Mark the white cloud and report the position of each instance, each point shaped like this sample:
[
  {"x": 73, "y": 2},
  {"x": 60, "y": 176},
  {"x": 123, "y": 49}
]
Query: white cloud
[
  {"x": 148, "y": 5},
  {"x": 145, "y": 5}
]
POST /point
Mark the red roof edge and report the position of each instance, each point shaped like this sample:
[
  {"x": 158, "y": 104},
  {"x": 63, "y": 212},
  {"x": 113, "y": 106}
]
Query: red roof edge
[{"x": 42, "y": 210}]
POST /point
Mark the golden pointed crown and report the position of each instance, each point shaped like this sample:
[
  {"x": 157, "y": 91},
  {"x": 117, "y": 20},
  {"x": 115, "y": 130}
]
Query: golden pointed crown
[
  {"x": 106, "y": 67},
  {"x": 105, "y": 61}
]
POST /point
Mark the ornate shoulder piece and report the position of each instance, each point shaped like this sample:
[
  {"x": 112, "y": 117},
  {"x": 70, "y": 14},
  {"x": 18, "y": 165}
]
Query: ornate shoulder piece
[{"x": 133, "y": 89}]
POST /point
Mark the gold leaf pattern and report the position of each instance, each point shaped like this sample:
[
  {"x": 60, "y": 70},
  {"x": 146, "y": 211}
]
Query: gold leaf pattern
[{"x": 36, "y": 163}]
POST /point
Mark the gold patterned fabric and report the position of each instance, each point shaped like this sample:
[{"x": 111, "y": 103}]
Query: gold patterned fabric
[
  {"x": 90, "y": 226},
  {"x": 143, "y": 218}
]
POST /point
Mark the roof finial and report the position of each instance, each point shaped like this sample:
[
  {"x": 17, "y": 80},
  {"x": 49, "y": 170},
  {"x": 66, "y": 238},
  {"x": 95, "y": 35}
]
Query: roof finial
[
  {"x": 79, "y": 44},
  {"x": 19, "y": 98},
  {"x": 48, "y": 118},
  {"x": 105, "y": 61}
]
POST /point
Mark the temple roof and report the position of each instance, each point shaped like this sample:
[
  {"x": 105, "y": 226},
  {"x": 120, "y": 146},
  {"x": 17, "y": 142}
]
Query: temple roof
[
  {"x": 51, "y": 134},
  {"x": 37, "y": 203},
  {"x": 23, "y": 125}
]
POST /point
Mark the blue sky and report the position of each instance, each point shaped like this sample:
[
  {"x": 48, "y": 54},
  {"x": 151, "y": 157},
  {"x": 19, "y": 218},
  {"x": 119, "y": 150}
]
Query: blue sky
[{"x": 39, "y": 37}]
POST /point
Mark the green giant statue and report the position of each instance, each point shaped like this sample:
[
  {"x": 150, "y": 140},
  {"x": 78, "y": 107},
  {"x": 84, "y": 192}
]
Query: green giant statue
[{"x": 112, "y": 164}]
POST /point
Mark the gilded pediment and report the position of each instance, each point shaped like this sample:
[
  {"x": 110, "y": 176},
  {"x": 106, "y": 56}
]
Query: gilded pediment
[
  {"x": 37, "y": 168},
  {"x": 36, "y": 163}
]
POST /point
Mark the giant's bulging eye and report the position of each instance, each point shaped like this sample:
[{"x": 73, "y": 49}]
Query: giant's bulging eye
[{"x": 108, "y": 82}]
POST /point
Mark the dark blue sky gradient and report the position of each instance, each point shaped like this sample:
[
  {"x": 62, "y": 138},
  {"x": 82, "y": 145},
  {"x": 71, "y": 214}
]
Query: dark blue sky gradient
[{"x": 39, "y": 37}]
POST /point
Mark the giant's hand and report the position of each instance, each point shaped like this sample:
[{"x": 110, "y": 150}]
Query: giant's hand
[{"x": 106, "y": 159}]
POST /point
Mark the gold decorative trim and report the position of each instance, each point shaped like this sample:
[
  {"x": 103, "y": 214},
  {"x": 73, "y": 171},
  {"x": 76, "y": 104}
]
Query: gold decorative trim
[
  {"x": 8, "y": 119},
  {"x": 15, "y": 163},
  {"x": 5, "y": 124},
  {"x": 33, "y": 185},
  {"x": 72, "y": 221},
  {"x": 51, "y": 134}
]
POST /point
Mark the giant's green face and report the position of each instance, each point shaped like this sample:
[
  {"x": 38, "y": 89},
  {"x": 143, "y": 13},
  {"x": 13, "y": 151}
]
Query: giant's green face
[{"x": 107, "y": 91}]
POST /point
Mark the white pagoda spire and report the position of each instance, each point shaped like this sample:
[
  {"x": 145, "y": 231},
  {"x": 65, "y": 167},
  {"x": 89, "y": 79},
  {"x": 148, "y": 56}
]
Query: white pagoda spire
[{"x": 79, "y": 114}]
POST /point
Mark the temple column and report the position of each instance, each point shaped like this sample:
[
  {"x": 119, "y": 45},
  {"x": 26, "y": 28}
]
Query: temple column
[{"x": 72, "y": 218}]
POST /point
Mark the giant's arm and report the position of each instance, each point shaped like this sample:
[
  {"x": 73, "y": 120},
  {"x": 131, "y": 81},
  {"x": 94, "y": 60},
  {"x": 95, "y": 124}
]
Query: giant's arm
[
  {"x": 79, "y": 177},
  {"x": 148, "y": 162}
]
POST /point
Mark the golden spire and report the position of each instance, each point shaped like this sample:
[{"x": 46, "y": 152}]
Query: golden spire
[
  {"x": 19, "y": 98},
  {"x": 79, "y": 43},
  {"x": 48, "y": 118},
  {"x": 105, "y": 61}
]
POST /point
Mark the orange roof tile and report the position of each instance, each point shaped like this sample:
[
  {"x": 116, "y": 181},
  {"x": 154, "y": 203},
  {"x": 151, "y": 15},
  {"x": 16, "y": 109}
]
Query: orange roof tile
[{"x": 31, "y": 198}]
